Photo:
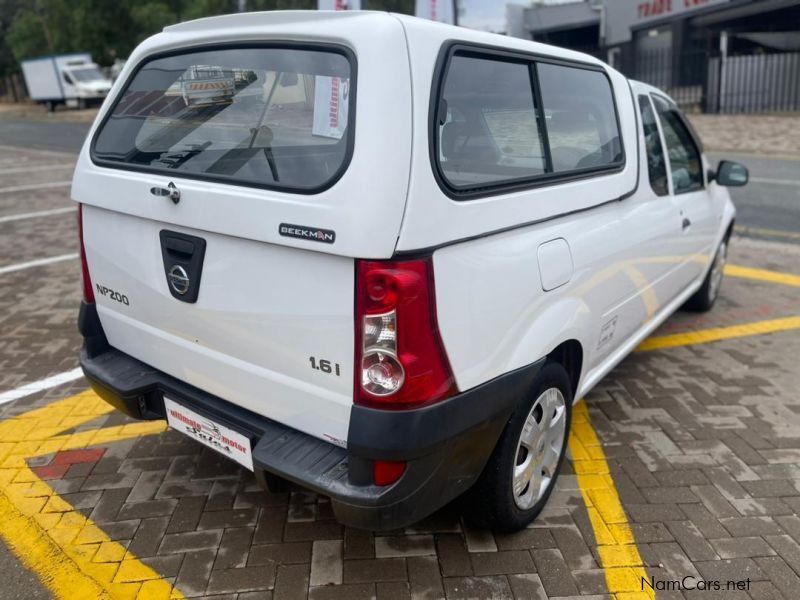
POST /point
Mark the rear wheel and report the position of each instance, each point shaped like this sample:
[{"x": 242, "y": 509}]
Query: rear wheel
[
  {"x": 704, "y": 298},
  {"x": 525, "y": 464}
]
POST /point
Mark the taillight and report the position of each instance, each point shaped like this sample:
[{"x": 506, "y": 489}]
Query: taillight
[
  {"x": 386, "y": 472},
  {"x": 88, "y": 292},
  {"x": 400, "y": 360}
]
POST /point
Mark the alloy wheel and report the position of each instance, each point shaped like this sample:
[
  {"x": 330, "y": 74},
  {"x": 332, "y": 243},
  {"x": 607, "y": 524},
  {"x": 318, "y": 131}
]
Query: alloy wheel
[
  {"x": 717, "y": 270},
  {"x": 539, "y": 448}
]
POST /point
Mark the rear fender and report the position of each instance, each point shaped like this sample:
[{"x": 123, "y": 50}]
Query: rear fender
[{"x": 565, "y": 319}]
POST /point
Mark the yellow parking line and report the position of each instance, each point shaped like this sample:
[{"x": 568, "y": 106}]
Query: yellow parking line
[
  {"x": 763, "y": 275},
  {"x": 623, "y": 566},
  {"x": 619, "y": 555},
  {"x": 704, "y": 336},
  {"x": 767, "y": 232},
  {"x": 72, "y": 556},
  {"x": 40, "y": 554}
]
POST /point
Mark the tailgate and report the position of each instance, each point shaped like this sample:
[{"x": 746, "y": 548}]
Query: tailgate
[{"x": 262, "y": 312}]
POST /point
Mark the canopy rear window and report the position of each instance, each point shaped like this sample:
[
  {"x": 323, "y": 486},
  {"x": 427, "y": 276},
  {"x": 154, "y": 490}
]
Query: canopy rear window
[{"x": 274, "y": 117}]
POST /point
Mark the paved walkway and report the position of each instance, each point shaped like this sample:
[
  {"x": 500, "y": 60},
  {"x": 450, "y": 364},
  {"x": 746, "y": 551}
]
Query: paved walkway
[{"x": 777, "y": 135}]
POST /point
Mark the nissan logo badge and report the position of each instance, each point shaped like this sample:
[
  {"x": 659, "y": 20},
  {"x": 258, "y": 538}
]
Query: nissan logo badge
[{"x": 178, "y": 279}]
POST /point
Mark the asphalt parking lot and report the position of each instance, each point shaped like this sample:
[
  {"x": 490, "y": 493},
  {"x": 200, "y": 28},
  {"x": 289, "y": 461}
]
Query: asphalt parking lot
[{"x": 684, "y": 463}]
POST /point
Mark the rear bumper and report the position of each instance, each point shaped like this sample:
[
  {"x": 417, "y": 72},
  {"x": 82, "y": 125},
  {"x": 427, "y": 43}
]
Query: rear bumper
[{"x": 445, "y": 445}]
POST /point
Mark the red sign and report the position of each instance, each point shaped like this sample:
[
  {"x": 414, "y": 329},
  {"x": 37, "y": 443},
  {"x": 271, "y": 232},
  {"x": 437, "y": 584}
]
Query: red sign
[{"x": 655, "y": 8}]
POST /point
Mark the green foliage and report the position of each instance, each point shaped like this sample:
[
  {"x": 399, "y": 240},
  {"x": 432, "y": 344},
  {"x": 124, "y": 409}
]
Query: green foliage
[
  {"x": 151, "y": 16},
  {"x": 398, "y": 6},
  {"x": 40, "y": 27},
  {"x": 110, "y": 29},
  {"x": 281, "y": 4},
  {"x": 205, "y": 8},
  {"x": 26, "y": 36}
]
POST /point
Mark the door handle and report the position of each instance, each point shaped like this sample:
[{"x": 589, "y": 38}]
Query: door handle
[
  {"x": 686, "y": 223},
  {"x": 179, "y": 249},
  {"x": 171, "y": 192}
]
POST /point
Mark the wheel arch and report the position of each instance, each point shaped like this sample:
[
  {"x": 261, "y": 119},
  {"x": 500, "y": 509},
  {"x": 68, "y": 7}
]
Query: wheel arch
[
  {"x": 729, "y": 230},
  {"x": 569, "y": 354}
]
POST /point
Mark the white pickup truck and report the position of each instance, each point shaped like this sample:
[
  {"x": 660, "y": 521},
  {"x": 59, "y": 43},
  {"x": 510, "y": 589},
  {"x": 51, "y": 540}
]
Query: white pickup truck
[{"x": 389, "y": 260}]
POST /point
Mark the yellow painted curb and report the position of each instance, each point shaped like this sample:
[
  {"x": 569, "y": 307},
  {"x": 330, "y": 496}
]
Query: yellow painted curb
[
  {"x": 767, "y": 232},
  {"x": 704, "y": 336},
  {"x": 621, "y": 562},
  {"x": 73, "y": 557},
  {"x": 763, "y": 275},
  {"x": 41, "y": 554}
]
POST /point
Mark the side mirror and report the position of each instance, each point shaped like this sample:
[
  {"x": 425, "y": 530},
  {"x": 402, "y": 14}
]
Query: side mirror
[{"x": 731, "y": 174}]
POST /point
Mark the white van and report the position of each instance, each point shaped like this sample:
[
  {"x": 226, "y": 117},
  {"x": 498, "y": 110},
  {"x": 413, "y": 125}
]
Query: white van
[{"x": 389, "y": 262}]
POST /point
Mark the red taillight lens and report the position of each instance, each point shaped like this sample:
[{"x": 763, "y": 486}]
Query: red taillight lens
[
  {"x": 385, "y": 472},
  {"x": 400, "y": 359},
  {"x": 88, "y": 292}
]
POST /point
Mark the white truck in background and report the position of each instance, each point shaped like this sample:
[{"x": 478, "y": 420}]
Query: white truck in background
[{"x": 71, "y": 79}]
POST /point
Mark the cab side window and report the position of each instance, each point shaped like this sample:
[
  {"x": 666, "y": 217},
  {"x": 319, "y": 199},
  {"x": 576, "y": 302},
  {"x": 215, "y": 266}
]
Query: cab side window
[
  {"x": 581, "y": 122},
  {"x": 503, "y": 120},
  {"x": 685, "y": 163},
  {"x": 488, "y": 129},
  {"x": 656, "y": 164}
]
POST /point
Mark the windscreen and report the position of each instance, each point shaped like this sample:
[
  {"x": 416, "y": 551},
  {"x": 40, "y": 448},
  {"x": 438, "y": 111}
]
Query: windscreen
[
  {"x": 275, "y": 117},
  {"x": 87, "y": 74}
]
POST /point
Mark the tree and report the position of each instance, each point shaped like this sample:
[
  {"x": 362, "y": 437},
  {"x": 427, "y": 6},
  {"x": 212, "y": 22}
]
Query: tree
[
  {"x": 197, "y": 9},
  {"x": 46, "y": 27},
  {"x": 152, "y": 17},
  {"x": 110, "y": 29},
  {"x": 8, "y": 10},
  {"x": 26, "y": 36},
  {"x": 406, "y": 7}
]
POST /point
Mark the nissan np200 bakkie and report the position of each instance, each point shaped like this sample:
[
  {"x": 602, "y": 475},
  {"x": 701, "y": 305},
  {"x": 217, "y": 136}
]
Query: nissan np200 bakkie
[{"x": 381, "y": 257}]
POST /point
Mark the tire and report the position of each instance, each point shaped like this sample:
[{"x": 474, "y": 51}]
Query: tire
[
  {"x": 705, "y": 297},
  {"x": 494, "y": 501}
]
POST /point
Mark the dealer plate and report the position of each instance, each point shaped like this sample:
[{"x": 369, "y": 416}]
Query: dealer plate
[{"x": 224, "y": 440}]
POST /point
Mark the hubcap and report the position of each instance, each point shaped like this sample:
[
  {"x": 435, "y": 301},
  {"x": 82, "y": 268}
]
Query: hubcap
[
  {"x": 539, "y": 449},
  {"x": 717, "y": 270}
]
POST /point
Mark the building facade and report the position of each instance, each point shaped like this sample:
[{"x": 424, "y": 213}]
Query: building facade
[{"x": 712, "y": 55}]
